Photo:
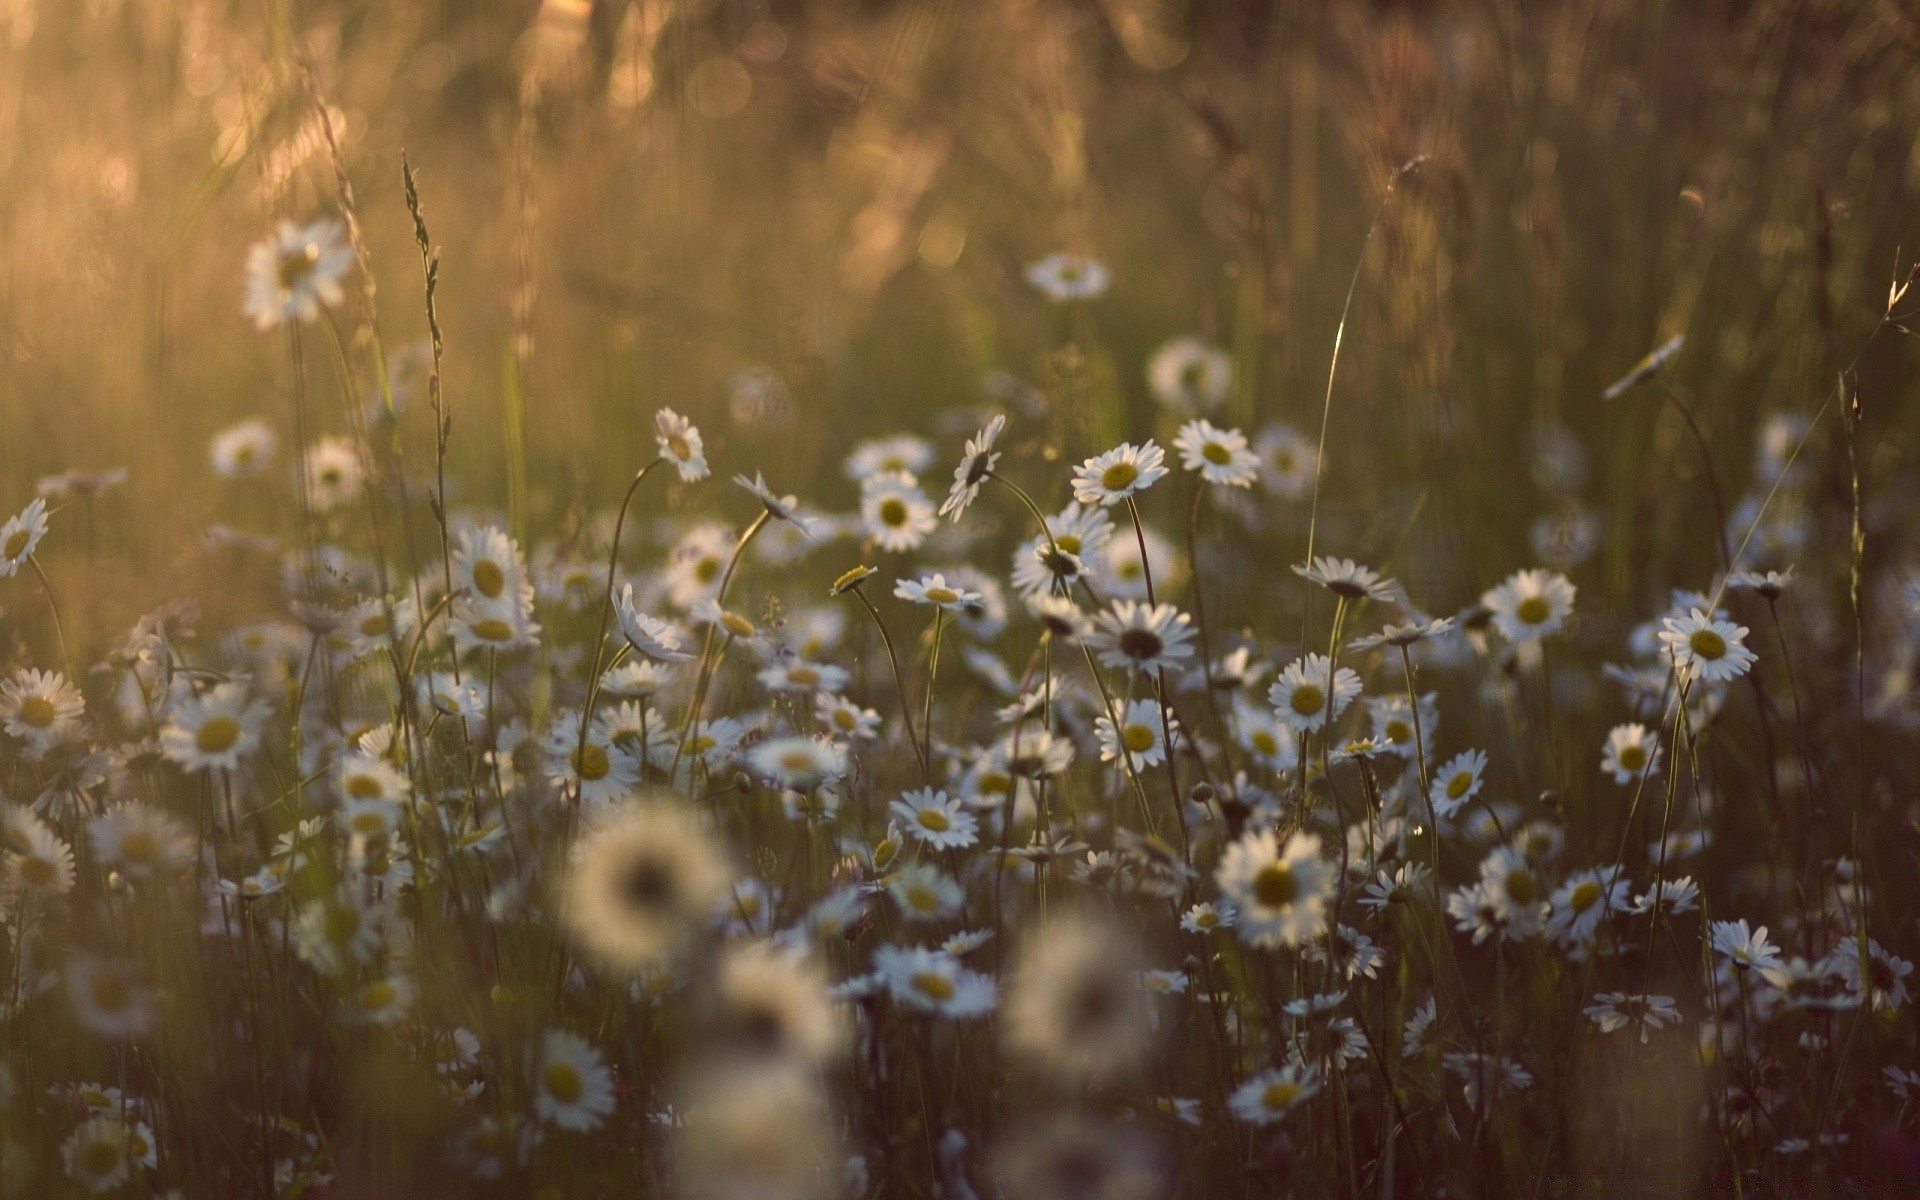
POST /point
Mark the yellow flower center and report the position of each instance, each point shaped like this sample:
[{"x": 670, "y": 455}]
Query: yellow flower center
[
  {"x": 1274, "y": 885},
  {"x": 736, "y": 624},
  {"x": 217, "y": 734},
  {"x": 1398, "y": 731},
  {"x": 1307, "y": 699},
  {"x": 1533, "y": 610},
  {"x": 933, "y": 984},
  {"x": 1280, "y": 1094},
  {"x": 591, "y": 762},
  {"x": 38, "y": 711},
  {"x": 1069, "y": 543},
  {"x": 563, "y": 1082},
  {"x": 139, "y": 846},
  {"x": 1137, "y": 738},
  {"x": 1521, "y": 888},
  {"x": 807, "y": 676},
  {"x": 1633, "y": 757},
  {"x": 1707, "y": 644},
  {"x": 378, "y": 995},
  {"x": 17, "y": 543},
  {"x": 935, "y": 819},
  {"x": 110, "y": 993},
  {"x": 893, "y": 512},
  {"x": 364, "y": 787},
  {"x": 36, "y": 871},
  {"x": 1586, "y": 894},
  {"x": 493, "y": 629},
  {"x": 1216, "y": 454},
  {"x": 100, "y": 1158},
  {"x": 296, "y": 264},
  {"x": 679, "y": 447},
  {"x": 942, "y": 595},
  {"x": 1118, "y": 476},
  {"x": 1458, "y": 785},
  {"x": 488, "y": 579}
]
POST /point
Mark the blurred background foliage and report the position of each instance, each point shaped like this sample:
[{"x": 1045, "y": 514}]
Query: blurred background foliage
[{"x": 804, "y": 221}]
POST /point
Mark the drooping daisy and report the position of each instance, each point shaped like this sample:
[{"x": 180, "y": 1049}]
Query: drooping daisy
[
  {"x": 1530, "y": 604},
  {"x": 1310, "y": 693},
  {"x": 1768, "y": 585},
  {"x": 1064, "y": 276},
  {"x": 640, "y": 883},
  {"x": 1279, "y": 896},
  {"x": 572, "y": 1087},
  {"x": 1271, "y": 1095},
  {"x": 295, "y": 272},
  {"x": 1622, "y": 1010},
  {"x": 1139, "y": 637},
  {"x": 934, "y": 981},
  {"x": 783, "y": 508},
  {"x": 937, "y": 819},
  {"x": 1408, "y": 634},
  {"x": 933, "y": 588},
  {"x": 680, "y": 444},
  {"x": 21, "y": 535},
  {"x": 41, "y": 708},
  {"x": 1220, "y": 455},
  {"x": 659, "y": 640},
  {"x": 975, "y": 465},
  {"x": 1745, "y": 947},
  {"x": 242, "y": 451},
  {"x": 1074, "y": 1006},
  {"x": 1124, "y": 471},
  {"x": 1348, "y": 579},
  {"x": 1632, "y": 752},
  {"x": 1188, "y": 375},
  {"x": 897, "y": 514},
  {"x": 1705, "y": 648},
  {"x": 1137, "y": 732}
]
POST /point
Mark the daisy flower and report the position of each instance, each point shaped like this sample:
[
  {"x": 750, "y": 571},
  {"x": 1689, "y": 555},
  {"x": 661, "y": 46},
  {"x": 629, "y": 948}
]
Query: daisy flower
[
  {"x": 1061, "y": 617},
  {"x": 1510, "y": 883},
  {"x": 1271, "y": 1095},
  {"x": 781, "y": 508},
  {"x": 573, "y": 1089},
  {"x": 1310, "y": 693},
  {"x": 41, "y": 708},
  {"x": 975, "y": 465},
  {"x": 640, "y": 883},
  {"x": 1075, "y": 1007},
  {"x": 1583, "y": 901},
  {"x": 799, "y": 675},
  {"x": 897, "y": 514},
  {"x": 215, "y": 730},
  {"x": 1138, "y": 733},
  {"x": 1885, "y": 975},
  {"x": 1674, "y": 896},
  {"x": 844, "y": 718},
  {"x": 1703, "y": 647},
  {"x": 936, "y": 819},
  {"x": 381, "y": 1002},
  {"x": 659, "y": 640},
  {"x": 294, "y": 273},
  {"x": 1279, "y": 896},
  {"x": 925, "y": 893},
  {"x": 1745, "y": 947},
  {"x": 110, "y": 997},
  {"x": 99, "y": 1155},
  {"x": 680, "y": 444},
  {"x": 1768, "y": 585},
  {"x": 1631, "y": 752},
  {"x": 1400, "y": 887},
  {"x": 797, "y": 762},
  {"x": 934, "y": 981},
  {"x": 1063, "y": 276},
  {"x": 1621, "y": 1010},
  {"x": 334, "y": 471},
  {"x": 775, "y": 1004},
  {"x": 21, "y": 535},
  {"x": 1530, "y": 604},
  {"x": 1289, "y": 461},
  {"x": 242, "y": 451},
  {"x": 902, "y": 452},
  {"x": 599, "y": 771},
  {"x": 1140, "y": 637},
  {"x": 1220, "y": 455},
  {"x": 1409, "y": 634},
  {"x": 934, "y": 589},
  {"x": 1457, "y": 782},
  {"x": 1124, "y": 471},
  {"x": 1348, "y": 579},
  {"x": 1207, "y": 917},
  {"x": 140, "y": 841},
  {"x": 40, "y": 864},
  {"x": 1188, "y": 375}
]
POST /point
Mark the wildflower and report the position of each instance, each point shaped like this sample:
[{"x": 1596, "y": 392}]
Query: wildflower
[
  {"x": 598, "y": 772},
  {"x": 776, "y": 1005},
  {"x": 1486, "y": 1076},
  {"x": 140, "y": 841},
  {"x": 1622, "y": 1010},
  {"x": 1707, "y": 648},
  {"x": 975, "y": 465},
  {"x": 295, "y": 272},
  {"x": 1141, "y": 638},
  {"x": 1348, "y": 579},
  {"x": 381, "y": 1002},
  {"x": 1137, "y": 733},
  {"x": 573, "y": 1090},
  {"x": 242, "y": 451},
  {"x": 1290, "y": 461},
  {"x": 1583, "y": 901},
  {"x": 1509, "y": 884},
  {"x": 109, "y": 997},
  {"x": 1530, "y": 605},
  {"x": 936, "y": 819},
  {"x": 1207, "y": 917},
  {"x": 1672, "y": 896},
  {"x": 1124, "y": 471},
  {"x": 680, "y": 444},
  {"x": 843, "y": 718},
  {"x": 1272, "y": 1094},
  {"x": 798, "y": 762},
  {"x": 902, "y": 452},
  {"x": 1310, "y": 693},
  {"x": 783, "y": 508},
  {"x": 1065, "y": 276},
  {"x": 934, "y": 981},
  {"x": 42, "y": 709},
  {"x": 659, "y": 640},
  {"x": 799, "y": 675},
  {"x": 925, "y": 893},
  {"x": 935, "y": 590},
  {"x": 1742, "y": 947},
  {"x": 1075, "y": 1007},
  {"x": 40, "y": 864},
  {"x": 640, "y": 883},
  {"x": 1885, "y": 977},
  {"x": 1061, "y": 617},
  {"x": 1387, "y": 890},
  {"x": 21, "y": 535},
  {"x": 1457, "y": 782},
  {"x": 335, "y": 472},
  {"x": 1279, "y": 896},
  {"x": 897, "y": 514},
  {"x": 100, "y": 1154},
  {"x": 1632, "y": 752},
  {"x": 1188, "y": 375}
]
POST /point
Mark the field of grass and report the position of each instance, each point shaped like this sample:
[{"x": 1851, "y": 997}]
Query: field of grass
[{"x": 888, "y": 599}]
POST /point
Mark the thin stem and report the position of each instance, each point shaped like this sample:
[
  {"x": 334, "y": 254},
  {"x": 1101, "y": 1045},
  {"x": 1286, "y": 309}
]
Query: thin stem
[
  {"x": 899, "y": 684},
  {"x": 53, "y": 606}
]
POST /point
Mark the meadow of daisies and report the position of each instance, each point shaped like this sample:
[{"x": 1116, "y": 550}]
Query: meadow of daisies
[{"x": 865, "y": 630}]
